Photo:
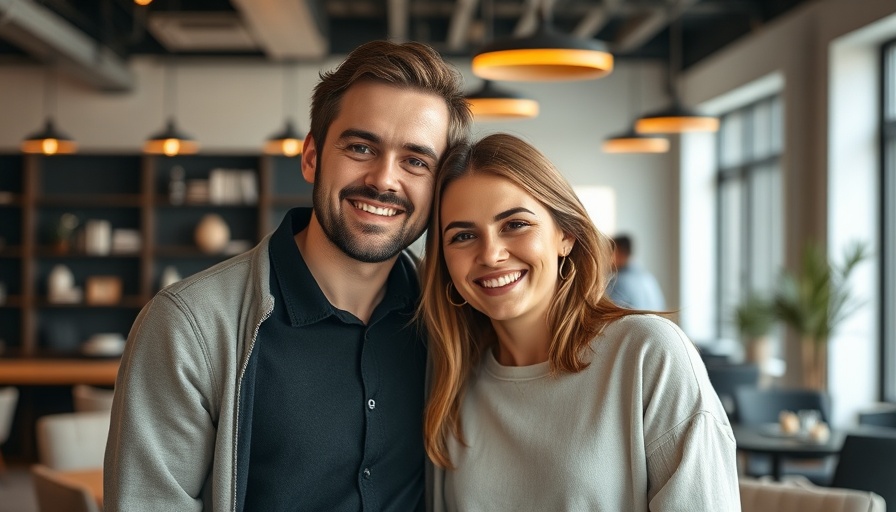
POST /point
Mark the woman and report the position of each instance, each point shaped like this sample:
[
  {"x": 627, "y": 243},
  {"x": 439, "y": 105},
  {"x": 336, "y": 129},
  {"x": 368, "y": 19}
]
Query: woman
[{"x": 545, "y": 394}]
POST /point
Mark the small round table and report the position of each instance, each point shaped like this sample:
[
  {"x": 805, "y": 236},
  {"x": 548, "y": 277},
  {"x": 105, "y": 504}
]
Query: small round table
[{"x": 762, "y": 439}]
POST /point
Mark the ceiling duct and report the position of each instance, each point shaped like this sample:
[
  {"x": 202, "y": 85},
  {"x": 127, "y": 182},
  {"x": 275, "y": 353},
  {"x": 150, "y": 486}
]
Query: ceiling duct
[
  {"x": 48, "y": 37},
  {"x": 287, "y": 29},
  {"x": 201, "y": 32}
]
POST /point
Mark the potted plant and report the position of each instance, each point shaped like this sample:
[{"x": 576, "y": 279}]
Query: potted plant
[
  {"x": 754, "y": 318},
  {"x": 813, "y": 301}
]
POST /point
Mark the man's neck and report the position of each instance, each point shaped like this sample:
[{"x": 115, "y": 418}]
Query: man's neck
[{"x": 349, "y": 284}]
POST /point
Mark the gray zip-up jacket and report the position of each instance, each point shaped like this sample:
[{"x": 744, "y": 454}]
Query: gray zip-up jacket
[{"x": 174, "y": 433}]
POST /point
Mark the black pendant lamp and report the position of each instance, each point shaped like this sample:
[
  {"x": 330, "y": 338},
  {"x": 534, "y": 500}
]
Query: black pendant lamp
[
  {"x": 676, "y": 118},
  {"x": 48, "y": 140},
  {"x": 630, "y": 141},
  {"x": 491, "y": 103},
  {"x": 546, "y": 55},
  {"x": 289, "y": 141},
  {"x": 170, "y": 141}
]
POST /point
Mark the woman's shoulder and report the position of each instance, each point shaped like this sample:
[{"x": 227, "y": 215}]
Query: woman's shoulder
[{"x": 649, "y": 339}]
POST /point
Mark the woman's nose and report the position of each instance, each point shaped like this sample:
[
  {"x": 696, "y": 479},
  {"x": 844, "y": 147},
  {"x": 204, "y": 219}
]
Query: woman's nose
[{"x": 493, "y": 250}]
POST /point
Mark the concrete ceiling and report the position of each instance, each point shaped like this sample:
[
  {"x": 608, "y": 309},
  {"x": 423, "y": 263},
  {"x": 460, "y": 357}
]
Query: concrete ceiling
[{"x": 95, "y": 38}]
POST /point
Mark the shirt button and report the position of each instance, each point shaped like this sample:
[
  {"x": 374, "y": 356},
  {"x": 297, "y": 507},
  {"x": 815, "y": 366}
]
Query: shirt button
[
  {"x": 366, "y": 473},
  {"x": 371, "y": 404}
]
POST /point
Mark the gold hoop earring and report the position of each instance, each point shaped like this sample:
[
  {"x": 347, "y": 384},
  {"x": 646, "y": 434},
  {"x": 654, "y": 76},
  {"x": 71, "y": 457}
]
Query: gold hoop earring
[
  {"x": 448, "y": 294},
  {"x": 560, "y": 269}
]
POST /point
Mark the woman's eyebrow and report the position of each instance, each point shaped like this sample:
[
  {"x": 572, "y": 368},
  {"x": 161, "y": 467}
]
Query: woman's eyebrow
[{"x": 461, "y": 224}]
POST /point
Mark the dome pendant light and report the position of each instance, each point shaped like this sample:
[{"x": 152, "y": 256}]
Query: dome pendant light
[
  {"x": 631, "y": 141},
  {"x": 170, "y": 141},
  {"x": 288, "y": 142},
  {"x": 491, "y": 103},
  {"x": 49, "y": 141},
  {"x": 677, "y": 118},
  {"x": 546, "y": 55}
]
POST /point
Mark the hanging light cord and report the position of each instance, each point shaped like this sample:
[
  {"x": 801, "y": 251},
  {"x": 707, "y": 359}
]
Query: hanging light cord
[
  {"x": 289, "y": 85},
  {"x": 675, "y": 42},
  {"x": 170, "y": 101}
]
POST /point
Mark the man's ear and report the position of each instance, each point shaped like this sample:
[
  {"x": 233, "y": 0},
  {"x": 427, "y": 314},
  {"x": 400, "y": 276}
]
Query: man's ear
[{"x": 309, "y": 159}]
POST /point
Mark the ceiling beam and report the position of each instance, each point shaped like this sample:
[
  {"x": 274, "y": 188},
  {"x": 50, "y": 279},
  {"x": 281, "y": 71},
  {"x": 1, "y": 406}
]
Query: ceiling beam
[
  {"x": 459, "y": 28},
  {"x": 595, "y": 19},
  {"x": 49, "y": 38},
  {"x": 399, "y": 19},
  {"x": 644, "y": 28}
]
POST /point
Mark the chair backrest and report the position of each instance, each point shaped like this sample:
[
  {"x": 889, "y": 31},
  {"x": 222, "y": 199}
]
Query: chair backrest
[
  {"x": 878, "y": 418},
  {"x": 725, "y": 378},
  {"x": 90, "y": 398},
  {"x": 868, "y": 463},
  {"x": 767, "y": 496},
  {"x": 759, "y": 406},
  {"x": 56, "y": 494},
  {"x": 73, "y": 440},
  {"x": 9, "y": 397}
]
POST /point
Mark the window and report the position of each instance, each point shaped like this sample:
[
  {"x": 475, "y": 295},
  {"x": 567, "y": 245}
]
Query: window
[
  {"x": 749, "y": 201},
  {"x": 888, "y": 223}
]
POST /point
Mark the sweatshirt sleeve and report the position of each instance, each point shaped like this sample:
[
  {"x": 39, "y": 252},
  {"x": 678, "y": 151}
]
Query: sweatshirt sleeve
[
  {"x": 162, "y": 435},
  {"x": 689, "y": 445}
]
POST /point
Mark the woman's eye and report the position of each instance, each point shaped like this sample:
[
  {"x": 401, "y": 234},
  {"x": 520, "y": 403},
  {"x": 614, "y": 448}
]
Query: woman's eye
[
  {"x": 517, "y": 224},
  {"x": 460, "y": 237}
]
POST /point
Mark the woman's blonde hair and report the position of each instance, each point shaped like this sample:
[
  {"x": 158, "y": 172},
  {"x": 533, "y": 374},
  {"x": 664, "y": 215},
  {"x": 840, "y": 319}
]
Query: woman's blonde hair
[{"x": 459, "y": 335}]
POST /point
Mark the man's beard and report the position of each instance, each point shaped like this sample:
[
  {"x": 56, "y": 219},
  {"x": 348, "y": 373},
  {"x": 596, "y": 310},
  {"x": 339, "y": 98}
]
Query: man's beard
[{"x": 337, "y": 230}]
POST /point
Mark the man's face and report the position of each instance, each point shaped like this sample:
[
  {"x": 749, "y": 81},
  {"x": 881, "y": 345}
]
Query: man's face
[{"x": 373, "y": 179}]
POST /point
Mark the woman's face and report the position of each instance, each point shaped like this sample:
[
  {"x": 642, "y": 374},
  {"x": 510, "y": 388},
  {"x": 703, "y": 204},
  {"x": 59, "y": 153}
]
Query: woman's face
[{"x": 501, "y": 246}]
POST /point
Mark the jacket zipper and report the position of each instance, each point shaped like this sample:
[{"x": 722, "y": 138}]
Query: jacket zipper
[{"x": 239, "y": 391}]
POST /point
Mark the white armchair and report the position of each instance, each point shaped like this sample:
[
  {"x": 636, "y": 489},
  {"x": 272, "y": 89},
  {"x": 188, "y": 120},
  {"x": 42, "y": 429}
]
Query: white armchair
[
  {"x": 73, "y": 440},
  {"x": 770, "y": 496}
]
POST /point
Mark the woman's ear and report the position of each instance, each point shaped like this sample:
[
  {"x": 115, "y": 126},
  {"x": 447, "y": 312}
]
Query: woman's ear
[
  {"x": 309, "y": 159},
  {"x": 567, "y": 243}
]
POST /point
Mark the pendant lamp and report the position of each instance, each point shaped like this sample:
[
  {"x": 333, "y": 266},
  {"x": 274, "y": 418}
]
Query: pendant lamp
[
  {"x": 48, "y": 140},
  {"x": 631, "y": 141},
  {"x": 544, "y": 56},
  {"x": 676, "y": 118},
  {"x": 491, "y": 103},
  {"x": 287, "y": 142},
  {"x": 170, "y": 141}
]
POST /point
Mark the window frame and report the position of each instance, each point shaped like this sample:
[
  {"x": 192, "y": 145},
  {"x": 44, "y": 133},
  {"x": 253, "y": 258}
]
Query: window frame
[
  {"x": 887, "y": 239},
  {"x": 744, "y": 172}
]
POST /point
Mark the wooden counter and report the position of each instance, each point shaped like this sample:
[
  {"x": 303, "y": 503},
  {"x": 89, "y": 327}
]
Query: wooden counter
[{"x": 61, "y": 372}]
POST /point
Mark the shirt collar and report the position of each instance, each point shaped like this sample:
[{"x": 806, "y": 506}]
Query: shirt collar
[{"x": 304, "y": 301}]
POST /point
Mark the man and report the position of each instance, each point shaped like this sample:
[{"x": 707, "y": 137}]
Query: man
[
  {"x": 291, "y": 377},
  {"x": 633, "y": 286}
]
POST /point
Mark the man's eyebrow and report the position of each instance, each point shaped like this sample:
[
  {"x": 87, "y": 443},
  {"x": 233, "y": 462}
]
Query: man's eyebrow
[
  {"x": 423, "y": 150},
  {"x": 461, "y": 224},
  {"x": 361, "y": 134},
  {"x": 372, "y": 137}
]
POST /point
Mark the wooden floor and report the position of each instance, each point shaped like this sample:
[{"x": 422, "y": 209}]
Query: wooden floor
[{"x": 16, "y": 491}]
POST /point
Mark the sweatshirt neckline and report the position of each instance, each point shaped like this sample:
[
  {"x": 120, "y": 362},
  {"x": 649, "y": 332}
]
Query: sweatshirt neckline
[{"x": 515, "y": 373}]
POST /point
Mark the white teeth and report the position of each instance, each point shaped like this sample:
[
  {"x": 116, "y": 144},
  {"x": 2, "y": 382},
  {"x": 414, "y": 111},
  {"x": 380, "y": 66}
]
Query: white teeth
[
  {"x": 385, "y": 212},
  {"x": 502, "y": 281}
]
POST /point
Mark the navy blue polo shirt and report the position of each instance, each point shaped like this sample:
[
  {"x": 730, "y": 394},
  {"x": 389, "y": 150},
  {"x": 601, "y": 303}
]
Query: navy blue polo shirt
[{"x": 338, "y": 405}]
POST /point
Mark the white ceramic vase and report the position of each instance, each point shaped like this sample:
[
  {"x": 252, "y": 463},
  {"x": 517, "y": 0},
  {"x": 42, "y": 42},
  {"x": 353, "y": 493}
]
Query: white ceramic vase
[{"x": 212, "y": 234}]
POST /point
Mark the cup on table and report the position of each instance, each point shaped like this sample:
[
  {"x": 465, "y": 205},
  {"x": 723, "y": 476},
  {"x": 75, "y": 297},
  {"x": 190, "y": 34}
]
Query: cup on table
[{"x": 808, "y": 419}]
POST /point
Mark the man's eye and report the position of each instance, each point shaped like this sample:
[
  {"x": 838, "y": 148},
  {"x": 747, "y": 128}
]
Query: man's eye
[
  {"x": 416, "y": 162},
  {"x": 360, "y": 148}
]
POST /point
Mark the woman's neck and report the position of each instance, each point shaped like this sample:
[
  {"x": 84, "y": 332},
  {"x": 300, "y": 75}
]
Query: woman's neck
[{"x": 522, "y": 342}]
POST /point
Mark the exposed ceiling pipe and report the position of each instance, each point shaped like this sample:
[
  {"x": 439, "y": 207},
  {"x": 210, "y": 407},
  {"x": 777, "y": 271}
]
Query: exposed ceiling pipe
[{"x": 48, "y": 37}]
